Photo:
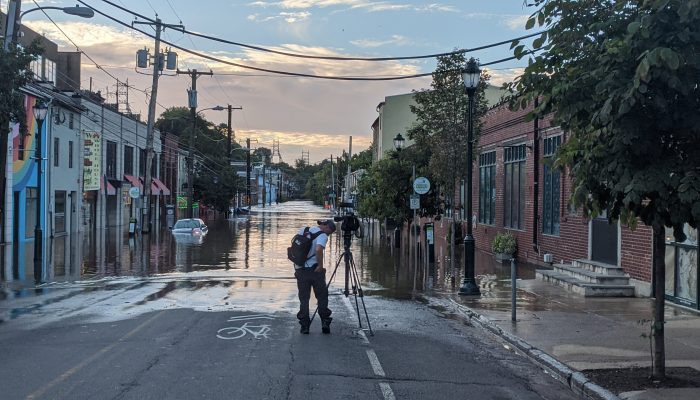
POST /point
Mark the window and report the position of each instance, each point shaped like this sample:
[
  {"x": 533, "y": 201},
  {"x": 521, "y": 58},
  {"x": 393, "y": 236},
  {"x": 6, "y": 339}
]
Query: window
[
  {"x": 111, "y": 167},
  {"x": 70, "y": 154},
  {"x": 142, "y": 162},
  {"x": 128, "y": 160},
  {"x": 71, "y": 120},
  {"x": 20, "y": 148},
  {"x": 487, "y": 188},
  {"x": 514, "y": 187},
  {"x": 50, "y": 71},
  {"x": 60, "y": 211},
  {"x": 55, "y": 151},
  {"x": 30, "y": 213},
  {"x": 552, "y": 188}
]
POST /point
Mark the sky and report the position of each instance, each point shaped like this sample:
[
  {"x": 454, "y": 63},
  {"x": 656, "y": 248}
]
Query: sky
[{"x": 313, "y": 115}]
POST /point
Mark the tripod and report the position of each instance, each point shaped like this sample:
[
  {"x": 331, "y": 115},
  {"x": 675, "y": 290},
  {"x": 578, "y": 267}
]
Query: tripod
[{"x": 350, "y": 275}]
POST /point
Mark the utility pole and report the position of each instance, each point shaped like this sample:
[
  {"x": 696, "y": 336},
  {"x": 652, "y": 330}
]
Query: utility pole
[
  {"x": 192, "y": 98},
  {"x": 157, "y": 68},
  {"x": 230, "y": 136},
  {"x": 247, "y": 172}
]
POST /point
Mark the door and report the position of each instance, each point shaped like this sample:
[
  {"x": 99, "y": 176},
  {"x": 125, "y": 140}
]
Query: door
[{"x": 604, "y": 241}]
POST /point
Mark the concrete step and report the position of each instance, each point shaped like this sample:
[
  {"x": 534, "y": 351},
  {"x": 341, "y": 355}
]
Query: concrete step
[
  {"x": 599, "y": 267},
  {"x": 591, "y": 277},
  {"x": 583, "y": 288}
]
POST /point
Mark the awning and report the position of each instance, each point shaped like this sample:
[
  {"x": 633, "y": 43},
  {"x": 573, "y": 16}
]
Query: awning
[
  {"x": 155, "y": 190},
  {"x": 134, "y": 182},
  {"x": 110, "y": 189},
  {"x": 163, "y": 189}
]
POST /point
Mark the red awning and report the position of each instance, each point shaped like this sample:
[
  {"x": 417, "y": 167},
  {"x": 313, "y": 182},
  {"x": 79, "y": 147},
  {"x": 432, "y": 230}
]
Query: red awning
[
  {"x": 110, "y": 189},
  {"x": 163, "y": 189},
  {"x": 155, "y": 190},
  {"x": 134, "y": 182}
]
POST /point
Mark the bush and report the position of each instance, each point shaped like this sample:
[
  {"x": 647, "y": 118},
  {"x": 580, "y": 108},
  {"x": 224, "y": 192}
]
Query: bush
[{"x": 504, "y": 243}]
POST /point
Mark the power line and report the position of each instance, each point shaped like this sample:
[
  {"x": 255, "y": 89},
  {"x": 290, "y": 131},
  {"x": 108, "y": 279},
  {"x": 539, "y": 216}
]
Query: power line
[
  {"x": 336, "y": 58},
  {"x": 287, "y": 73}
]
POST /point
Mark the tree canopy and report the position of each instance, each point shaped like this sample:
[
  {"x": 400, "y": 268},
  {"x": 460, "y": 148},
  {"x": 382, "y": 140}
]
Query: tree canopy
[{"x": 621, "y": 78}]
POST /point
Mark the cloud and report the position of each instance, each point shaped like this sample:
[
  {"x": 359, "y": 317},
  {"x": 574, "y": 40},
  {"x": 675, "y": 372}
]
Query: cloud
[
  {"x": 303, "y": 113},
  {"x": 517, "y": 22},
  {"x": 369, "y": 5},
  {"x": 290, "y": 17},
  {"x": 395, "y": 40},
  {"x": 499, "y": 77}
]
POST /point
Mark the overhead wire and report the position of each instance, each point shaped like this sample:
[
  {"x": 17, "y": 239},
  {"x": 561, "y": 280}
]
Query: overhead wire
[
  {"x": 287, "y": 73},
  {"x": 337, "y": 58},
  {"x": 97, "y": 65}
]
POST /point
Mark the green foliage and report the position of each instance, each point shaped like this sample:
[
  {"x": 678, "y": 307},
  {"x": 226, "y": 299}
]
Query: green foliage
[
  {"x": 441, "y": 122},
  {"x": 15, "y": 73},
  {"x": 384, "y": 190},
  {"x": 215, "y": 181},
  {"x": 504, "y": 242},
  {"x": 621, "y": 77}
]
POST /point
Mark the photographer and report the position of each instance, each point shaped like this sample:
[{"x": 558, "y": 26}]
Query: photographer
[{"x": 313, "y": 274}]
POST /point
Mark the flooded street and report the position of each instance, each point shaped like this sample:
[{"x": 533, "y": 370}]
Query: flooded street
[
  {"x": 214, "y": 317},
  {"x": 243, "y": 260}
]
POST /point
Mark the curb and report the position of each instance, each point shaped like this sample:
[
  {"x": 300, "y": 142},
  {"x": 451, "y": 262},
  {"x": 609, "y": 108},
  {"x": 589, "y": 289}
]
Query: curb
[{"x": 576, "y": 381}]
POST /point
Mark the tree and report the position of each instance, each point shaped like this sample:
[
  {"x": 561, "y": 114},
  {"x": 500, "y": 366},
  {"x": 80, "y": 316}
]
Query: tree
[
  {"x": 14, "y": 73},
  {"x": 621, "y": 77},
  {"x": 441, "y": 125},
  {"x": 215, "y": 182}
]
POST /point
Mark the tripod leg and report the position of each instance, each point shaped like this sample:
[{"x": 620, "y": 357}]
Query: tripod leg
[{"x": 357, "y": 283}]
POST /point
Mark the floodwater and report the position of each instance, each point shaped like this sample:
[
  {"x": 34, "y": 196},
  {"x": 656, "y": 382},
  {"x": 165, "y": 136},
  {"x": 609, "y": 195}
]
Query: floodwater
[{"x": 251, "y": 253}]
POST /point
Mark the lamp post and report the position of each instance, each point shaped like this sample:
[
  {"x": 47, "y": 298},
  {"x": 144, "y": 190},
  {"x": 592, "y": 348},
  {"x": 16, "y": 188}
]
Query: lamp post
[
  {"x": 470, "y": 75},
  {"x": 40, "y": 111},
  {"x": 14, "y": 16}
]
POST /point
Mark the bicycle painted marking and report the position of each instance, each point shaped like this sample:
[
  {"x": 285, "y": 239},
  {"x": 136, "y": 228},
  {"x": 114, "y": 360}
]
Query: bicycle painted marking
[{"x": 236, "y": 332}]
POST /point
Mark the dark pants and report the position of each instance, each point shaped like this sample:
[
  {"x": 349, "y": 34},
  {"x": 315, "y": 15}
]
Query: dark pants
[{"x": 307, "y": 278}]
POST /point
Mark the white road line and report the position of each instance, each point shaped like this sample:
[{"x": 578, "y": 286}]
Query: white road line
[
  {"x": 386, "y": 391},
  {"x": 348, "y": 304},
  {"x": 373, "y": 359},
  {"x": 376, "y": 366}
]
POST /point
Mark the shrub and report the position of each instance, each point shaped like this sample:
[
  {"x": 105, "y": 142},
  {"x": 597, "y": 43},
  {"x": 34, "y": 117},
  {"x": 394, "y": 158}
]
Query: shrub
[{"x": 504, "y": 243}]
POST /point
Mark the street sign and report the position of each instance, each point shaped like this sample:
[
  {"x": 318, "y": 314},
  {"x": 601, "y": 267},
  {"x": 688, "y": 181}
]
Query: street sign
[
  {"x": 421, "y": 185},
  {"x": 134, "y": 192},
  {"x": 415, "y": 202}
]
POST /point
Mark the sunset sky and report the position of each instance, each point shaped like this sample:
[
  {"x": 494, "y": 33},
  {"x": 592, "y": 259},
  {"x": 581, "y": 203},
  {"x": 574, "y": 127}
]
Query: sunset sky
[{"x": 309, "y": 114}]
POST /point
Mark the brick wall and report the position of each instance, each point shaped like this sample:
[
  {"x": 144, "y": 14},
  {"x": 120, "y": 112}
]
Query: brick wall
[{"x": 502, "y": 127}]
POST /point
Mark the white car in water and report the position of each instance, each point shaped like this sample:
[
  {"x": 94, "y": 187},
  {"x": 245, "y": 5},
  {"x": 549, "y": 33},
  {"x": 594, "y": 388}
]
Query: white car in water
[{"x": 190, "y": 226}]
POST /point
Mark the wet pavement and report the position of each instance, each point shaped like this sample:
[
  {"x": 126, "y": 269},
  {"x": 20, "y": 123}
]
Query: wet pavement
[
  {"x": 240, "y": 267},
  {"x": 215, "y": 318}
]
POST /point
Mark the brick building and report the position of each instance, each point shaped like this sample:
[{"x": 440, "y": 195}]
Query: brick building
[{"x": 516, "y": 190}]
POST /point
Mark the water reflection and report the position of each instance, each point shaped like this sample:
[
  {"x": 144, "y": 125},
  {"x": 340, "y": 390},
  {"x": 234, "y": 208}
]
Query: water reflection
[{"x": 254, "y": 249}]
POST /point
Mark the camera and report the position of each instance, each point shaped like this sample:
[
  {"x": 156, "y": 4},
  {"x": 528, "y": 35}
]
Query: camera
[{"x": 350, "y": 223}]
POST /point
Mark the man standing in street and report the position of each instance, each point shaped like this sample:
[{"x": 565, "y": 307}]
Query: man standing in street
[{"x": 313, "y": 275}]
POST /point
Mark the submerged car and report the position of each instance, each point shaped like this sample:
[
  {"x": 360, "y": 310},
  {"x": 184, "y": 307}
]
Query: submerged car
[{"x": 193, "y": 226}]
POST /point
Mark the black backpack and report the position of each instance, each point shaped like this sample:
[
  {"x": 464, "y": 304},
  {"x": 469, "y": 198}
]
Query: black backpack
[{"x": 298, "y": 252}]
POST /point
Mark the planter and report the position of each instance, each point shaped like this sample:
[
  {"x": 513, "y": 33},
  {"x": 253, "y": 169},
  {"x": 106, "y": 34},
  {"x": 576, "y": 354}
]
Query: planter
[{"x": 502, "y": 256}]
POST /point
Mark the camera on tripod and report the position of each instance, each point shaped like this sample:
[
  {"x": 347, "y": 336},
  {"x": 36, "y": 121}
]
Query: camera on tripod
[{"x": 350, "y": 223}]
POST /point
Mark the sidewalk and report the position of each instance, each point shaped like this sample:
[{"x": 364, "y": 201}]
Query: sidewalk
[{"x": 585, "y": 333}]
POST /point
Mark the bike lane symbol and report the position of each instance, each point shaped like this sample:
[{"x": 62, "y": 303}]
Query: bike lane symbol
[{"x": 236, "y": 332}]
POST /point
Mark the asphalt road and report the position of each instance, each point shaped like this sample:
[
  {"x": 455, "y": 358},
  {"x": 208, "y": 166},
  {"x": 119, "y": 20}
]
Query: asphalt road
[{"x": 417, "y": 352}]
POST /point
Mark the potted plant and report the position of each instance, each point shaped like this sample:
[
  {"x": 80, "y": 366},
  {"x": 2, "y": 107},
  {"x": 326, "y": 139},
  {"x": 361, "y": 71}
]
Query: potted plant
[{"x": 503, "y": 246}]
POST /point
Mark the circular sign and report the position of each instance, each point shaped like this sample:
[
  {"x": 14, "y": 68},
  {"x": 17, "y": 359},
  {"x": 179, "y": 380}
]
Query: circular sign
[
  {"x": 134, "y": 192},
  {"x": 421, "y": 185}
]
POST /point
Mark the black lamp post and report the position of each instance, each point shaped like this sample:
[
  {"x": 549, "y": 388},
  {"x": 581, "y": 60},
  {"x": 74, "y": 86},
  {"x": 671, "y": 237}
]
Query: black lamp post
[
  {"x": 470, "y": 76},
  {"x": 40, "y": 111},
  {"x": 399, "y": 141}
]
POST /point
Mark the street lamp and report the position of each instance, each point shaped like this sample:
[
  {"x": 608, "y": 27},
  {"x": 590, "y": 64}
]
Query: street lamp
[
  {"x": 40, "y": 111},
  {"x": 399, "y": 142},
  {"x": 77, "y": 10},
  {"x": 471, "y": 76}
]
